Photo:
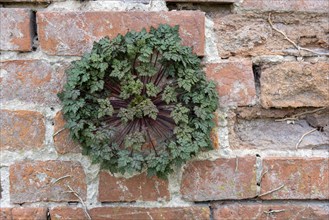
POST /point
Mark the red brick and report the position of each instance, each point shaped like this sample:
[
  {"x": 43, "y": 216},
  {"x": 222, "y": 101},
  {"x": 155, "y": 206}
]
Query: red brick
[
  {"x": 23, "y": 213},
  {"x": 33, "y": 1},
  {"x": 124, "y": 213},
  {"x": 235, "y": 82},
  {"x": 5, "y": 214},
  {"x": 46, "y": 181},
  {"x": 118, "y": 213},
  {"x": 72, "y": 33},
  {"x": 139, "y": 187},
  {"x": 16, "y": 29},
  {"x": 62, "y": 140},
  {"x": 250, "y": 34},
  {"x": 295, "y": 84},
  {"x": 21, "y": 130},
  {"x": 220, "y": 179},
  {"x": 67, "y": 213},
  {"x": 284, "y": 5},
  {"x": 259, "y": 211},
  {"x": 303, "y": 178},
  {"x": 35, "y": 81},
  {"x": 200, "y": 1}
]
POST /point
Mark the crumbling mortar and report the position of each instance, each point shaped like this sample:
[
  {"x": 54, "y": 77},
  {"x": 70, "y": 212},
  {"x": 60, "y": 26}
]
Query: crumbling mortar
[
  {"x": 211, "y": 51},
  {"x": 4, "y": 176},
  {"x": 174, "y": 187},
  {"x": 35, "y": 55},
  {"x": 153, "y": 5}
]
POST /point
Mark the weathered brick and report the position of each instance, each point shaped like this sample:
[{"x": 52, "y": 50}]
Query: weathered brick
[
  {"x": 261, "y": 211},
  {"x": 67, "y": 213},
  {"x": 23, "y": 213},
  {"x": 250, "y": 34},
  {"x": 220, "y": 179},
  {"x": 197, "y": 213},
  {"x": 235, "y": 82},
  {"x": 46, "y": 181},
  {"x": 208, "y": 1},
  {"x": 295, "y": 84},
  {"x": 62, "y": 140},
  {"x": 139, "y": 187},
  {"x": 21, "y": 130},
  {"x": 259, "y": 130},
  {"x": 16, "y": 29},
  {"x": 124, "y": 213},
  {"x": 72, "y": 33},
  {"x": 283, "y": 5},
  {"x": 35, "y": 81},
  {"x": 33, "y": 1},
  {"x": 5, "y": 213},
  {"x": 303, "y": 178}
]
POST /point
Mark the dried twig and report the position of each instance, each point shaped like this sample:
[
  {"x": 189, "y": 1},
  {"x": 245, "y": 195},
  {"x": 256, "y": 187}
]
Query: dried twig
[
  {"x": 299, "y": 48},
  {"x": 272, "y": 191},
  {"x": 296, "y": 116},
  {"x": 63, "y": 177},
  {"x": 59, "y": 132},
  {"x": 81, "y": 200},
  {"x": 307, "y": 133},
  {"x": 274, "y": 211},
  {"x": 263, "y": 175}
]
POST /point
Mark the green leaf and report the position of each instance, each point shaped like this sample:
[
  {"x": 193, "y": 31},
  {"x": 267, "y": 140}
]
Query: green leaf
[
  {"x": 152, "y": 90},
  {"x": 169, "y": 94},
  {"x": 180, "y": 114}
]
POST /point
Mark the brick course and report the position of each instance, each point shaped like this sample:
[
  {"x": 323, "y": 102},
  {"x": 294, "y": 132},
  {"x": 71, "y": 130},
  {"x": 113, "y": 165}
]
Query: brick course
[
  {"x": 31, "y": 81},
  {"x": 220, "y": 179},
  {"x": 139, "y": 187},
  {"x": 260, "y": 211},
  {"x": 46, "y": 181},
  {"x": 21, "y": 130},
  {"x": 301, "y": 178},
  {"x": 78, "y": 29},
  {"x": 16, "y": 32},
  {"x": 235, "y": 82}
]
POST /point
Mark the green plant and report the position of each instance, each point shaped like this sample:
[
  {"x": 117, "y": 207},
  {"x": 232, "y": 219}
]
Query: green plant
[{"x": 140, "y": 101}]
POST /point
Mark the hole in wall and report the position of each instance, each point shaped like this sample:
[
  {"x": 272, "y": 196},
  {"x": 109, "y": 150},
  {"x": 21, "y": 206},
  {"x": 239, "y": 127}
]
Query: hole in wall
[
  {"x": 256, "y": 69},
  {"x": 257, "y": 155},
  {"x": 34, "y": 31},
  {"x": 209, "y": 8}
]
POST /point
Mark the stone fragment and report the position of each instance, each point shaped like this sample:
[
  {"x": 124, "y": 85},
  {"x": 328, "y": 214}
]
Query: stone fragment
[
  {"x": 320, "y": 6},
  {"x": 295, "y": 84},
  {"x": 249, "y": 34}
]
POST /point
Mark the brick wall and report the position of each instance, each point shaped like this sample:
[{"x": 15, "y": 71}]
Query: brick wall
[{"x": 268, "y": 162}]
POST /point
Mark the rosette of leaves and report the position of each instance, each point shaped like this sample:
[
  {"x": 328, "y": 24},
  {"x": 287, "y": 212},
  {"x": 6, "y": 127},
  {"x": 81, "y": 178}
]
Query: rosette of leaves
[{"x": 140, "y": 101}]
